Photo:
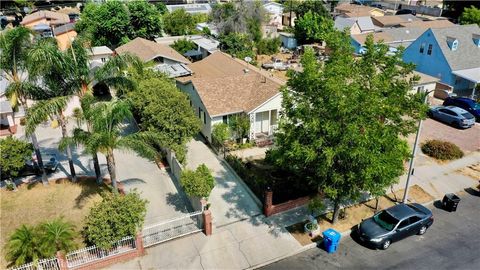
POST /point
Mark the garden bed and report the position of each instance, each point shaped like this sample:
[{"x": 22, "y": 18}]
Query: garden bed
[
  {"x": 354, "y": 214},
  {"x": 34, "y": 203},
  {"x": 259, "y": 175}
]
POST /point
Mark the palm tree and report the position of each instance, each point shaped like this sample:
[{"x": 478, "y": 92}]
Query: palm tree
[
  {"x": 14, "y": 45},
  {"x": 107, "y": 119},
  {"x": 56, "y": 235},
  {"x": 23, "y": 246}
]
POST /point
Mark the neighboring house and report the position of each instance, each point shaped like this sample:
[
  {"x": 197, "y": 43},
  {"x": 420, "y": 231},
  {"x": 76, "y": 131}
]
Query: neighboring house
[
  {"x": 7, "y": 124},
  {"x": 65, "y": 34},
  {"x": 288, "y": 40},
  {"x": 349, "y": 10},
  {"x": 211, "y": 27},
  {"x": 451, "y": 54},
  {"x": 393, "y": 37},
  {"x": 275, "y": 14},
  {"x": 205, "y": 45},
  {"x": 166, "y": 59},
  {"x": 191, "y": 8},
  {"x": 356, "y": 25},
  {"x": 223, "y": 86},
  {"x": 393, "y": 20},
  {"x": 440, "y": 23},
  {"x": 426, "y": 83},
  {"x": 45, "y": 17},
  {"x": 99, "y": 55}
]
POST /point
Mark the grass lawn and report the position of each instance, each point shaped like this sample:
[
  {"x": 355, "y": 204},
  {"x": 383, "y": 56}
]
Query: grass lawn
[
  {"x": 34, "y": 203},
  {"x": 355, "y": 214}
]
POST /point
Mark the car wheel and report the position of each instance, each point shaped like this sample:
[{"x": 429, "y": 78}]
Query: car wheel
[
  {"x": 422, "y": 230},
  {"x": 386, "y": 244}
]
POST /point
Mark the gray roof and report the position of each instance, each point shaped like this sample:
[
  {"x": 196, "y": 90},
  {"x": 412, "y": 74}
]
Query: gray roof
[
  {"x": 99, "y": 50},
  {"x": 175, "y": 70},
  {"x": 467, "y": 55},
  {"x": 5, "y": 107},
  {"x": 191, "y": 8},
  {"x": 64, "y": 28},
  {"x": 365, "y": 23}
]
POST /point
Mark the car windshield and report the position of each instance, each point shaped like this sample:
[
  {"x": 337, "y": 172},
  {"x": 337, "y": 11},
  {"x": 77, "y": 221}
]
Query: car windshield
[
  {"x": 467, "y": 115},
  {"x": 385, "y": 220}
]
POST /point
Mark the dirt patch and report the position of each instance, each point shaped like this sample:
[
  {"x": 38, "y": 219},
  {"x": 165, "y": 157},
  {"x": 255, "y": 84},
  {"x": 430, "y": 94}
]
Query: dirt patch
[
  {"x": 472, "y": 171},
  {"x": 35, "y": 203},
  {"x": 356, "y": 213}
]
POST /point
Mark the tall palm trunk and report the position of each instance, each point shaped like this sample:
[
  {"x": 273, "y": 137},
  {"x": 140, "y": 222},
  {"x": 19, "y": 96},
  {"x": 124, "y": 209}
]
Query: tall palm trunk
[
  {"x": 36, "y": 148},
  {"x": 112, "y": 170},
  {"x": 96, "y": 164},
  {"x": 63, "y": 125}
]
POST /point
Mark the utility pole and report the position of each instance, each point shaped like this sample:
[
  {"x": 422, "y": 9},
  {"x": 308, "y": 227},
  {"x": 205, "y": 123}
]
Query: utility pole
[{"x": 414, "y": 152}]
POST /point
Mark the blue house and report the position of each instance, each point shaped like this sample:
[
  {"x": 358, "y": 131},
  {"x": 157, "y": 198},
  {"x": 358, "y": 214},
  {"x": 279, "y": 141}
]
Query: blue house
[{"x": 450, "y": 54}]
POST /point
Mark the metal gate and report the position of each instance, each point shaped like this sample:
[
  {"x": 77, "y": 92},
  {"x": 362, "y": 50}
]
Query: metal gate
[{"x": 170, "y": 229}]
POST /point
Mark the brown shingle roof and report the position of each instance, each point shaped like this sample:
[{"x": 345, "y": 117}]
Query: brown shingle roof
[
  {"x": 428, "y": 24},
  {"x": 55, "y": 17},
  {"x": 350, "y": 10},
  {"x": 226, "y": 87},
  {"x": 148, "y": 50},
  {"x": 393, "y": 20}
]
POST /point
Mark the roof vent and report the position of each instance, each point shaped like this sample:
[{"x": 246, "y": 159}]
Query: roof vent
[
  {"x": 476, "y": 39},
  {"x": 452, "y": 43}
]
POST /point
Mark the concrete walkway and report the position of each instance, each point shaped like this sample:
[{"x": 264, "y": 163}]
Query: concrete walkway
[{"x": 230, "y": 200}]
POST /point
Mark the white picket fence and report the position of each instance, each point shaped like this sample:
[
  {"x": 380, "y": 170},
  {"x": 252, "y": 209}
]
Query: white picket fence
[
  {"x": 174, "y": 228},
  {"x": 43, "y": 264},
  {"x": 93, "y": 253}
]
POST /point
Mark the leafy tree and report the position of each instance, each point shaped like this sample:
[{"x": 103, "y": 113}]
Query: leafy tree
[
  {"x": 23, "y": 246},
  {"x": 356, "y": 145},
  {"x": 106, "y": 24},
  {"x": 146, "y": 19},
  {"x": 470, "y": 16},
  {"x": 454, "y": 8},
  {"x": 238, "y": 45},
  {"x": 179, "y": 22},
  {"x": 221, "y": 132},
  {"x": 164, "y": 109},
  {"x": 114, "y": 218},
  {"x": 14, "y": 45},
  {"x": 13, "y": 153},
  {"x": 269, "y": 46},
  {"x": 56, "y": 235},
  {"x": 198, "y": 183},
  {"x": 240, "y": 125},
  {"x": 183, "y": 45},
  {"x": 161, "y": 7},
  {"x": 313, "y": 6},
  {"x": 312, "y": 27}
]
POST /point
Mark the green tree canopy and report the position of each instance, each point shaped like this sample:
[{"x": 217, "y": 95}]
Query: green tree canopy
[
  {"x": 221, "y": 132},
  {"x": 314, "y": 6},
  {"x": 161, "y": 107},
  {"x": 312, "y": 27},
  {"x": 470, "y": 15},
  {"x": 179, "y": 22},
  {"x": 198, "y": 183},
  {"x": 343, "y": 121},
  {"x": 13, "y": 154},
  {"x": 238, "y": 45},
  {"x": 183, "y": 45},
  {"x": 114, "y": 218},
  {"x": 269, "y": 46},
  {"x": 145, "y": 19}
]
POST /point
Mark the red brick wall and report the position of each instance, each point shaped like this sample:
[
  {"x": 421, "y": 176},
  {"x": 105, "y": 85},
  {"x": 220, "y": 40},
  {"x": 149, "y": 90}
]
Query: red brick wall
[{"x": 270, "y": 209}]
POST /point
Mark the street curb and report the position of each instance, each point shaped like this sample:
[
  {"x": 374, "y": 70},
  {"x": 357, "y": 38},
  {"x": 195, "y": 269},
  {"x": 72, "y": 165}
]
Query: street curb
[{"x": 302, "y": 249}]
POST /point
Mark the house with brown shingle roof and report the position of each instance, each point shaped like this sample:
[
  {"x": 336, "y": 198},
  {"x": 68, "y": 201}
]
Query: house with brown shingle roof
[
  {"x": 222, "y": 86},
  {"x": 47, "y": 17},
  {"x": 165, "y": 58},
  {"x": 350, "y": 10}
]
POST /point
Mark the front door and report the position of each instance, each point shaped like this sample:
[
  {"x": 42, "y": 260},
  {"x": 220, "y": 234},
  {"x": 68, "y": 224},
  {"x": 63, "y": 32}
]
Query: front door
[{"x": 261, "y": 122}]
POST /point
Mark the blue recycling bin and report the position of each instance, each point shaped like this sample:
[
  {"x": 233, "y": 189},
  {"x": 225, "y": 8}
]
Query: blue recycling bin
[{"x": 331, "y": 238}]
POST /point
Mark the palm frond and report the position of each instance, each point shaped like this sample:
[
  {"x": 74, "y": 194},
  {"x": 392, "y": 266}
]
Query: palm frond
[
  {"x": 43, "y": 110},
  {"x": 144, "y": 143}
]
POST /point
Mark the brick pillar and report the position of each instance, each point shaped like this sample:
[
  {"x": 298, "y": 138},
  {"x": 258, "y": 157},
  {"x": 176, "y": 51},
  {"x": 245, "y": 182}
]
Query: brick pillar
[
  {"x": 268, "y": 202},
  {"x": 207, "y": 222},
  {"x": 139, "y": 244},
  {"x": 62, "y": 261}
]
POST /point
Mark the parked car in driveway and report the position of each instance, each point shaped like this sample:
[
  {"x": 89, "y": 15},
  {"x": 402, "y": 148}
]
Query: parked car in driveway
[
  {"x": 50, "y": 163},
  {"x": 452, "y": 115},
  {"x": 467, "y": 104},
  {"x": 394, "y": 224}
]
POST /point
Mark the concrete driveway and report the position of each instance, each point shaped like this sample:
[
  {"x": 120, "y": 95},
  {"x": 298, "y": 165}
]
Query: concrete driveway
[
  {"x": 230, "y": 200},
  {"x": 165, "y": 200}
]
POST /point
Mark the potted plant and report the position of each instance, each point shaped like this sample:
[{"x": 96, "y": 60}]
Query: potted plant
[{"x": 312, "y": 227}]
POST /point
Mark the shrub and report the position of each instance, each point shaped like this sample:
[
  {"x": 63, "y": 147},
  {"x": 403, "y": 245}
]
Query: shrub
[
  {"x": 268, "y": 46},
  {"x": 23, "y": 246},
  {"x": 115, "y": 217},
  {"x": 13, "y": 153},
  {"x": 198, "y": 183},
  {"x": 183, "y": 45},
  {"x": 441, "y": 150},
  {"x": 221, "y": 132}
]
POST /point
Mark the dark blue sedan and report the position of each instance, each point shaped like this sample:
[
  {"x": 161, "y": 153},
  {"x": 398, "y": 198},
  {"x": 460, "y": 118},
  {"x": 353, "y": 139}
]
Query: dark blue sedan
[{"x": 465, "y": 103}]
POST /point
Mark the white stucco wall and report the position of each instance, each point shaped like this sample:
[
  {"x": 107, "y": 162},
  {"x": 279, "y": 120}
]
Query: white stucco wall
[
  {"x": 274, "y": 103},
  {"x": 426, "y": 87}
]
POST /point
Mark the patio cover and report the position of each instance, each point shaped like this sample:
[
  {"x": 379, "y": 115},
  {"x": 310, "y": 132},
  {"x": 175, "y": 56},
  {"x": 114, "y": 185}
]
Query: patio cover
[{"x": 471, "y": 74}]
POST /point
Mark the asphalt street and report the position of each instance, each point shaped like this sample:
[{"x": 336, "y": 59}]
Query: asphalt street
[{"x": 452, "y": 242}]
